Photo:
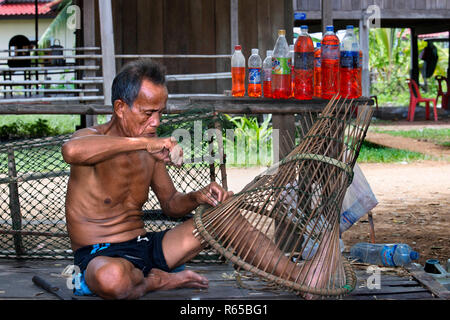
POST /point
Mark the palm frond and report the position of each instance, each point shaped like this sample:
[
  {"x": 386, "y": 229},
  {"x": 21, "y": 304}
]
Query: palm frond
[{"x": 57, "y": 24}]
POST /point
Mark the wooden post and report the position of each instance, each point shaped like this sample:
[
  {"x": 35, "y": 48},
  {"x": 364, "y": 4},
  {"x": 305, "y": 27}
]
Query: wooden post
[
  {"x": 327, "y": 14},
  {"x": 364, "y": 45},
  {"x": 14, "y": 204},
  {"x": 289, "y": 20},
  {"x": 108, "y": 53},
  {"x": 414, "y": 56},
  {"x": 234, "y": 23},
  {"x": 89, "y": 41}
]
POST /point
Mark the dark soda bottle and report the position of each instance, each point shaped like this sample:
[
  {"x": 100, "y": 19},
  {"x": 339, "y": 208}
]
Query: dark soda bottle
[
  {"x": 281, "y": 68},
  {"x": 238, "y": 72},
  {"x": 330, "y": 63},
  {"x": 304, "y": 66},
  {"x": 317, "y": 72},
  {"x": 348, "y": 73}
]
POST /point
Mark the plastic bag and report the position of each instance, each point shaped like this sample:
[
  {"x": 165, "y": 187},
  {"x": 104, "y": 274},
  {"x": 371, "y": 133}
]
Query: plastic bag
[{"x": 359, "y": 199}]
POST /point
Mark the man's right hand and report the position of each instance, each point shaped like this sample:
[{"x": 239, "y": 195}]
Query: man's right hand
[{"x": 166, "y": 150}]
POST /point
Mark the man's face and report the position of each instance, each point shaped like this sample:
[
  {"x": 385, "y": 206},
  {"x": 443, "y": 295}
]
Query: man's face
[{"x": 144, "y": 117}]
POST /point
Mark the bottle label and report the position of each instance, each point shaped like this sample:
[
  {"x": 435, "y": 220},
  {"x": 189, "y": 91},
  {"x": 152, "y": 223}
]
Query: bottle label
[
  {"x": 267, "y": 74},
  {"x": 349, "y": 59},
  {"x": 330, "y": 51},
  {"x": 387, "y": 256},
  {"x": 281, "y": 66},
  {"x": 304, "y": 60},
  {"x": 254, "y": 75},
  {"x": 317, "y": 62}
]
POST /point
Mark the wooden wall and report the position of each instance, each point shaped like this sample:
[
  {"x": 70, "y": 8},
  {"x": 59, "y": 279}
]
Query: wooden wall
[{"x": 195, "y": 27}]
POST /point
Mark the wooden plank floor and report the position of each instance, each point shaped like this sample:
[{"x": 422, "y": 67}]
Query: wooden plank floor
[{"x": 16, "y": 283}]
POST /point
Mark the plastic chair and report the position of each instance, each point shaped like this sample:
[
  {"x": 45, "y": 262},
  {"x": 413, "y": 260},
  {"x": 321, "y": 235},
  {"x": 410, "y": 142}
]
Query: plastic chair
[
  {"x": 442, "y": 94},
  {"x": 415, "y": 98}
]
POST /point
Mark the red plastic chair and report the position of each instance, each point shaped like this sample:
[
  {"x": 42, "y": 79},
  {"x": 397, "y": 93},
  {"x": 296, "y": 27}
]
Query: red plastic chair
[
  {"x": 415, "y": 98},
  {"x": 441, "y": 93}
]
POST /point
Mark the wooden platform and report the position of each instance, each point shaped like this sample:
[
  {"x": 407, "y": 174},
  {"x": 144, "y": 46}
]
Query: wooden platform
[{"x": 16, "y": 284}]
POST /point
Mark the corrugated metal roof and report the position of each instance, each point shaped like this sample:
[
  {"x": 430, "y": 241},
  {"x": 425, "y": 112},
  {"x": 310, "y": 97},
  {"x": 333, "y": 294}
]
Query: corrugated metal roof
[{"x": 19, "y": 9}]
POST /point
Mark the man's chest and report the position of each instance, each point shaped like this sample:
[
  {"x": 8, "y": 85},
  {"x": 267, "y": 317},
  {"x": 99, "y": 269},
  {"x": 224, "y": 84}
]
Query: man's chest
[{"x": 127, "y": 173}]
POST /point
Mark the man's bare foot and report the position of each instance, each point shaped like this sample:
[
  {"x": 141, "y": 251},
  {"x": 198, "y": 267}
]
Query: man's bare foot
[
  {"x": 316, "y": 273},
  {"x": 160, "y": 280}
]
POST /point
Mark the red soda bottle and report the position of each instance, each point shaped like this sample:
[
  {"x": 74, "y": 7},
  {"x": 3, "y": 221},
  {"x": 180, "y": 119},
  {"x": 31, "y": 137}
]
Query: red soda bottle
[
  {"x": 238, "y": 73},
  {"x": 267, "y": 74},
  {"x": 349, "y": 52},
  {"x": 281, "y": 68},
  {"x": 317, "y": 72},
  {"x": 304, "y": 66},
  {"x": 330, "y": 63}
]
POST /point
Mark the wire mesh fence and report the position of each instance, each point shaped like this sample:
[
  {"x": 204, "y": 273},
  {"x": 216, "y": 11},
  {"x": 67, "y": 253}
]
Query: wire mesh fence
[{"x": 34, "y": 177}]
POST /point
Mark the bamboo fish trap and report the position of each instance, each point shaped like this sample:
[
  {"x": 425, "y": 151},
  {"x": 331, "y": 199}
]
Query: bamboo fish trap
[{"x": 284, "y": 225}]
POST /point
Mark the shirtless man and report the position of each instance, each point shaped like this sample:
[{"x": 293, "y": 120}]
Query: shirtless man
[{"x": 113, "y": 165}]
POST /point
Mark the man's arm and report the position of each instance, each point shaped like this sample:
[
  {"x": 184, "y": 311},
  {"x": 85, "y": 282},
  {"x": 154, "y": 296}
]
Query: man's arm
[
  {"x": 176, "y": 204},
  {"x": 88, "y": 147}
]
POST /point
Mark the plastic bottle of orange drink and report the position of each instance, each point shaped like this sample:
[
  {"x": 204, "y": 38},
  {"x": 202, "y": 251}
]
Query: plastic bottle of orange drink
[
  {"x": 254, "y": 74},
  {"x": 349, "y": 69},
  {"x": 238, "y": 72},
  {"x": 330, "y": 63},
  {"x": 304, "y": 66},
  {"x": 281, "y": 68},
  {"x": 267, "y": 74}
]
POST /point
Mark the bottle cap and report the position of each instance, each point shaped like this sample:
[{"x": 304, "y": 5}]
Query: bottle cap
[
  {"x": 281, "y": 32},
  {"x": 304, "y": 27},
  {"x": 318, "y": 44},
  {"x": 329, "y": 28},
  {"x": 350, "y": 27},
  {"x": 237, "y": 47},
  {"x": 414, "y": 255},
  {"x": 269, "y": 53},
  {"x": 255, "y": 51}
]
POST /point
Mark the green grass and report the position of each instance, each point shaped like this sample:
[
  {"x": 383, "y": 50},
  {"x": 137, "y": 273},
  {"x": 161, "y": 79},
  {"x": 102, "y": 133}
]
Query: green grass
[
  {"x": 437, "y": 136},
  {"x": 374, "y": 153}
]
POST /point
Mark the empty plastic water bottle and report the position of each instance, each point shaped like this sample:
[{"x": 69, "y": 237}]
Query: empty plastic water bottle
[{"x": 388, "y": 255}]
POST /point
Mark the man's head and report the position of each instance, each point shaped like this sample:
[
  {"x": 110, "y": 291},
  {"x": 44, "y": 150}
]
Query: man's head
[
  {"x": 139, "y": 95},
  {"x": 127, "y": 83}
]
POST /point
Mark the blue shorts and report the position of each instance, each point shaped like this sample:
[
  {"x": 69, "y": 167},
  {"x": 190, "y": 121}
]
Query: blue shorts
[{"x": 144, "y": 252}]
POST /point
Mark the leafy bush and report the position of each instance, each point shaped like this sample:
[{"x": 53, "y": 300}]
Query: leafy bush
[{"x": 20, "y": 129}]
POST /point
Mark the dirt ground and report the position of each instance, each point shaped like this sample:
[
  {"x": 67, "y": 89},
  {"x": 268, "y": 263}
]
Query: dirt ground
[{"x": 414, "y": 198}]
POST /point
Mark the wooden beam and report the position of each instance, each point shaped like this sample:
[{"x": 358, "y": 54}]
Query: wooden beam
[
  {"x": 364, "y": 46},
  {"x": 234, "y": 23},
  {"x": 14, "y": 203},
  {"x": 108, "y": 54},
  {"x": 223, "y": 104},
  {"x": 289, "y": 20},
  {"x": 89, "y": 41},
  {"x": 327, "y": 14}
]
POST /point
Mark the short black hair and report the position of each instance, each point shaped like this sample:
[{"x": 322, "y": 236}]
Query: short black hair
[{"x": 128, "y": 81}]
